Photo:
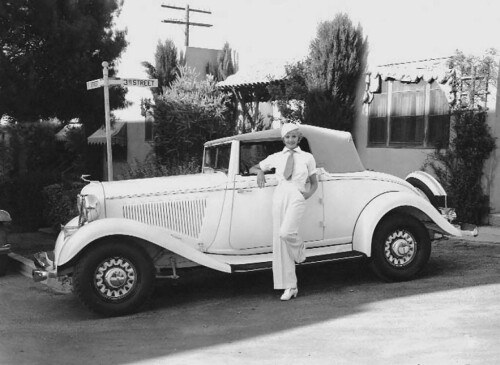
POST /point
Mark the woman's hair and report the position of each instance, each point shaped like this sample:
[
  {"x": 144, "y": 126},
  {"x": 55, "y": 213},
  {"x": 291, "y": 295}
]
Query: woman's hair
[{"x": 298, "y": 132}]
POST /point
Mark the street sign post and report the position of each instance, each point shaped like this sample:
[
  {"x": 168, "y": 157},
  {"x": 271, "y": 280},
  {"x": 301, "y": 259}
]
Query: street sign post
[{"x": 106, "y": 82}]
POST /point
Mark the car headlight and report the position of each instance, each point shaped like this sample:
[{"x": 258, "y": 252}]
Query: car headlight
[{"x": 89, "y": 208}]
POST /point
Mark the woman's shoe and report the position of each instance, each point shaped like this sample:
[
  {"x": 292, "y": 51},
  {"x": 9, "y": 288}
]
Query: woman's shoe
[{"x": 290, "y": 293}]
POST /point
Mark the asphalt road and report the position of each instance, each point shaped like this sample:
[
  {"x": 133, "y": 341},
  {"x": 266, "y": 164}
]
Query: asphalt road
[{"x": 450, "y": 314}]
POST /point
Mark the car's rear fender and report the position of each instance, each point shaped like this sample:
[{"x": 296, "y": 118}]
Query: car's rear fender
[
  {"x": 71, "y": 246},
  {"x": 396, "y": 202}
]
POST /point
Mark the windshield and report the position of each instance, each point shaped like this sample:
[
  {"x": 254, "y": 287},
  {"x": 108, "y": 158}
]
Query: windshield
[{"x": 216, "y": 158}]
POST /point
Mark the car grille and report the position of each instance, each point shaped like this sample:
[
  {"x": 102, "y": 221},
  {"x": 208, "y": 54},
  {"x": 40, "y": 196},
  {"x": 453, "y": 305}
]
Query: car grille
[{"x": 185, "y": 216}]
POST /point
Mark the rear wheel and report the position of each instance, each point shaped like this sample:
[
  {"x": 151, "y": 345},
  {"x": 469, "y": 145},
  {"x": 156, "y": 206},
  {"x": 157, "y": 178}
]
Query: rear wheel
[
  {"x": 114, "y": 278},
  {"x": 400, "y": 248}
]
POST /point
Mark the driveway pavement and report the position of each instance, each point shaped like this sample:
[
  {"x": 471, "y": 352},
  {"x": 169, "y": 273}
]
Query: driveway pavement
[{"x": 343, "y": 315}]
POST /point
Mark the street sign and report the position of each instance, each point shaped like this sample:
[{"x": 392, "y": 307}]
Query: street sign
[
  {"x": 140, "y": 82},
  {"x": 94, "y": 84}
]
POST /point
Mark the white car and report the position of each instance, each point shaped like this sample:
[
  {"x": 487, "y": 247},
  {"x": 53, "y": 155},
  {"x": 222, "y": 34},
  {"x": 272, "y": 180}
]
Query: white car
[{"x": 128, "y": 232}]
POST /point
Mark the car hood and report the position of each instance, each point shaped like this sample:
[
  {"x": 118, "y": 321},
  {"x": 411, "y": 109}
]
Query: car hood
[{"x": 156, "y": 186}]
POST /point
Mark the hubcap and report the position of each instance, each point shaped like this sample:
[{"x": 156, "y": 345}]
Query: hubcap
[
  {"x": 400, "y": 248},
  {"x": 115, "y": 278}
]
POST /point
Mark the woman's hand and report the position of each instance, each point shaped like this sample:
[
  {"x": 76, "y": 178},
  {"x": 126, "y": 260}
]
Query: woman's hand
[{"x": 261, "y": 179}]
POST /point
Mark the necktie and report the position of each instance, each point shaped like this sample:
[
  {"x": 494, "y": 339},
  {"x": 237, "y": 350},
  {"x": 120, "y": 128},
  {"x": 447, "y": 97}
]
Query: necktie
[{"x": 287, "y": 173}]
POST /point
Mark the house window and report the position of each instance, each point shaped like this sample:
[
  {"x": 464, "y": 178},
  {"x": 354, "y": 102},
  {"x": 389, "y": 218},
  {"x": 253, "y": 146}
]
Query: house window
[{"x": 409, "y": 115}]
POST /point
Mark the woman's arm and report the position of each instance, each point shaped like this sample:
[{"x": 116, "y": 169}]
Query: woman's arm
[
  {"x": 261, "y": 178},
  {"x": 314, "y": 185}
]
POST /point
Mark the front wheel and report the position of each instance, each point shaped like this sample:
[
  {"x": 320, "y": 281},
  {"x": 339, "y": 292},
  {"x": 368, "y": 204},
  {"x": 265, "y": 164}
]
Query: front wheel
[
  {"x": 400, "y": 248},
  {"x": 114, "y": 278}
]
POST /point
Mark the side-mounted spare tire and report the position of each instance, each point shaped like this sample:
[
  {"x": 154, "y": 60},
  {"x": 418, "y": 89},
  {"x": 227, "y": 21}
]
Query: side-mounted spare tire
[
  {"x": 401, "y": 247},
  {"x": 114, "y": 277}
]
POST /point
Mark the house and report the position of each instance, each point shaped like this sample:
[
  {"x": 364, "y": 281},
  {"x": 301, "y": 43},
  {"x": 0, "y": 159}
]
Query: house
[{"x": 405, "y": 115}]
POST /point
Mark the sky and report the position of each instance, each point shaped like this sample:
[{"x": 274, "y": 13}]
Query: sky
[{"x": 281, "y": 30}]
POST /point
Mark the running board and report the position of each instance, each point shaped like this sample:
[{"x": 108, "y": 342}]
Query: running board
[{"x": 258, "y": 266}]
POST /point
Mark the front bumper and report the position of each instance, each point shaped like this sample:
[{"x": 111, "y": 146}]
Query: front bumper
[
  {"x": 467, "y": 229},
  {"x": 45, "y": 267}
]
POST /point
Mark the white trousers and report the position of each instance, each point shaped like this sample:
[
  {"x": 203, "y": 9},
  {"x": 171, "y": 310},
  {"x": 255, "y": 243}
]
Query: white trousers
[{"x": 288, "y": 247}]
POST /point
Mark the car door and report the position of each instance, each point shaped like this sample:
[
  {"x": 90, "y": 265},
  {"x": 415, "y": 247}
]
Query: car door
[{"x": 251, "y": 217}]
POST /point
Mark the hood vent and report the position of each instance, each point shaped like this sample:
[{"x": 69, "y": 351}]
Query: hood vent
[{"x": 182, "y": 216}]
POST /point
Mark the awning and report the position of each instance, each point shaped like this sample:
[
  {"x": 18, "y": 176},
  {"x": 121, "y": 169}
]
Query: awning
[
  {"x": 118, "y": 135},
  {"x": 412, "y": 72}
]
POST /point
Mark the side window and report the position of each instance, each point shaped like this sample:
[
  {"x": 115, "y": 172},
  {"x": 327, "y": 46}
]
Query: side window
[
  {"x": 216, "y": 158},
  {"x": 251, "y": 153}
]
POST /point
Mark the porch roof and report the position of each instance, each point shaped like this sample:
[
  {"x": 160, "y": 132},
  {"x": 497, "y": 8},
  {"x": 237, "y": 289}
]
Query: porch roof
[{"x": 261, "y": 74}]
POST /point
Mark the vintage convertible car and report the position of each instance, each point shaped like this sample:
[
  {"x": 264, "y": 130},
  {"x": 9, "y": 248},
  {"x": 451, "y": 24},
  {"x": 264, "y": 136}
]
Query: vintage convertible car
[{"x": 130, "y": 231}]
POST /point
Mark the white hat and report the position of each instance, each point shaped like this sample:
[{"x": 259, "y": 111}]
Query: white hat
[{"x": 288, "y": 127}]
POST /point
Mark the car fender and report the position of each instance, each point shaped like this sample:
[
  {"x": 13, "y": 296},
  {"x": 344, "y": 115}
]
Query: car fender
[
  {"x": 68, "y": 248},
  {"x": 405, "y": 202},
  {"x": 428, "y": 180}
]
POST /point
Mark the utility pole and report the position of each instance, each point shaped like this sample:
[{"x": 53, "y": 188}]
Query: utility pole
[{"x": 186, "y": 21}]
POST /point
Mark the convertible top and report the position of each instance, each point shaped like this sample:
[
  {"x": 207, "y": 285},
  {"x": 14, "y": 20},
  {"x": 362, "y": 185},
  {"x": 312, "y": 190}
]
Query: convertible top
[{"x": 333, "y": 150}]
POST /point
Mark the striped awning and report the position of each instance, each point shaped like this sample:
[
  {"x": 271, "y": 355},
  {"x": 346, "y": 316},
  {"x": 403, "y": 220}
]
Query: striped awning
[{"x": 118, "y": 135}]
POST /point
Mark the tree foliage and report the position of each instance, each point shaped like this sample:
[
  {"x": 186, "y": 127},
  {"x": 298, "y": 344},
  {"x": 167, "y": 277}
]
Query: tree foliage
[
  {"x": 166, "y": 66},
  {"x": 335, "y": 65},
  {"x": 327, "y": 82},
  {"x": 188, "y": 114},
  {"x": 226, "y": 64},
  {"x": 49, "y": 50}
]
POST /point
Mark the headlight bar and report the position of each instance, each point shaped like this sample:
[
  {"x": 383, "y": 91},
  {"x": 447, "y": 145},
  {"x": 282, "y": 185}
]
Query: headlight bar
[{"x": 88, "y": 208}]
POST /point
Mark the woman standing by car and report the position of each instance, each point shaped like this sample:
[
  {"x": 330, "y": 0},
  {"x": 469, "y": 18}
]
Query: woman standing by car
[{"x": 294, "y": 169}]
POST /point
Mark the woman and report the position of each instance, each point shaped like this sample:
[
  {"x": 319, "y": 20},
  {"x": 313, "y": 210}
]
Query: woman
[{"x": 294, "y": 168}]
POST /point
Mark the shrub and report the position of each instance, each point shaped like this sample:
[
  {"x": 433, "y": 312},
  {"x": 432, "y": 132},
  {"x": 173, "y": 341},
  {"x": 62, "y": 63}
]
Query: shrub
[
  {"x": 21, "y": 197},
  {"x": 59, "y": 203},
  {"x": 187, "y": 115},
  {"x": 460, "y": 167}
]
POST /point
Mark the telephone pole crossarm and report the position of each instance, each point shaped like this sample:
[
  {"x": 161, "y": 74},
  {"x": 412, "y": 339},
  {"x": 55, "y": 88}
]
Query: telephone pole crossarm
[
  {"x": 179, "y": 8},
  {"x": 173, "y": 21}
]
